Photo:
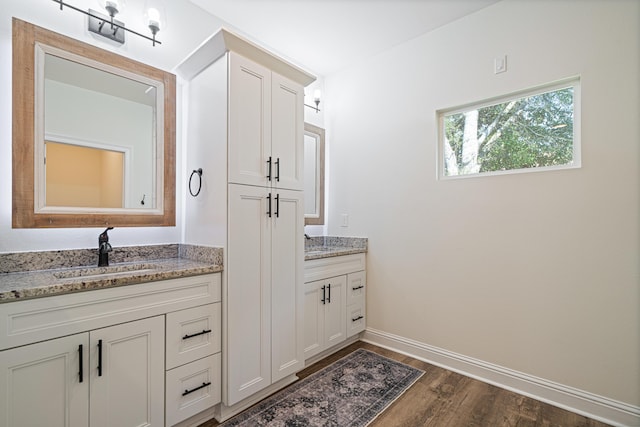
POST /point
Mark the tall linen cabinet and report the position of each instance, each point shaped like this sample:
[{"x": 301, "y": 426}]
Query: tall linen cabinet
[{"x": 244, "y": 128}]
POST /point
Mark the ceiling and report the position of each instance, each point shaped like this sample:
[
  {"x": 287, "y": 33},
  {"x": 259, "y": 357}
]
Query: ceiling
[{"x": 325, "y": 36}]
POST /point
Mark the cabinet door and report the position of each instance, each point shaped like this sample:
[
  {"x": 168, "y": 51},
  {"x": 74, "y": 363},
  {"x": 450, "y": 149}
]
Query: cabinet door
[
  {"x": 249, "y": 136},
  {"x": 41, "y": 384},
  {"x": 127, "y": 374},
  {"x": 287, "y": 133},
  {"x": 287, "y": 249},
  {"x": 313, "y": 318},
  {"x": 335, "y": 329},
  {"x": 248, "y": 300}
]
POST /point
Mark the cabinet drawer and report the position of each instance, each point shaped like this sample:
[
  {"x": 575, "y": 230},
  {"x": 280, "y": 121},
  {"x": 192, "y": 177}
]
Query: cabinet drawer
[
  {"x": 323, "y": 268},
  {"x": 192, "y": 334},
  {"x": 192, "y": 388},
  {"x": 356, "y": 319},
  {"x": 39, "y": 319},
  {"x": 356, "y": 285}
]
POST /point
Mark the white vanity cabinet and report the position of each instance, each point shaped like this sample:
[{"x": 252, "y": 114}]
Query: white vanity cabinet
[
  {"x": 245, "y": 129},
  {"x": 264, "y": 306},
  {"x": 96, "y": 358},
  {"x": 266, "y": 125},
  {"x": 324, "y": 311},
  {"x": 334, "y": 301}
]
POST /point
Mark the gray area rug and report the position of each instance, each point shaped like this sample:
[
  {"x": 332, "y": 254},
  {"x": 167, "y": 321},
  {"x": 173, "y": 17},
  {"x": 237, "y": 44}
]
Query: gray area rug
[{"x": 350, "y": 392}]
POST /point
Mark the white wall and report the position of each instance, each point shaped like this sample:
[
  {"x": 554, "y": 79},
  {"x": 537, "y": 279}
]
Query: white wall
[
  {"x": 177, "y": 44},
  {"x": 535, "y": 272}
]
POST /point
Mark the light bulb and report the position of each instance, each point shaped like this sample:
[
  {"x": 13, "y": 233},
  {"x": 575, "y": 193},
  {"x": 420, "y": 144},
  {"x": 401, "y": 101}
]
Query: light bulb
[
  {"x": 113, "y": 7},
  {"x": 153, "y": 18},
  {"x": 316, "y": 95}
]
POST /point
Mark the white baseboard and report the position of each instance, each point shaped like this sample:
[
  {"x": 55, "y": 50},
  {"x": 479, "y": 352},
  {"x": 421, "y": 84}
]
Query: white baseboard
[{"x": 582, "y": 402}]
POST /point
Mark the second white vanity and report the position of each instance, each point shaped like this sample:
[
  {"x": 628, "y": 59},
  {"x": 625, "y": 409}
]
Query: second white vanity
[{"x": 334, "y": 296}]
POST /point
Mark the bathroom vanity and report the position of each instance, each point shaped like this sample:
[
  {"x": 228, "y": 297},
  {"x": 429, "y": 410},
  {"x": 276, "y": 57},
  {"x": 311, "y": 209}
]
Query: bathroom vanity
[
  {"x": 334, "y": 294},
  {"x": 139, "y": 334}
]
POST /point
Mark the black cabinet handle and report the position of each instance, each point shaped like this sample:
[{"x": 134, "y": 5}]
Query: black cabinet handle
[
  {"x": 329, "y": 297},
  {"x": 356, "y": 319},
  {"x": 197, "y": 388},
  {"x": 204, "y": 331},
  {"x": 323, "y": 300},
  {"x": 357, "y": 287},
  {"x": 80, "y": 373},
  {"x": 269, "y": 207},
  {"x": 99, "y": 358},
  {"x": 278, "y": 169},
  {"x": 277, "y": 205},
  {"x": 269, "y": 169}
]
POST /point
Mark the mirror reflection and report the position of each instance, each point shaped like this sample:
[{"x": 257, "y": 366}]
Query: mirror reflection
[
  {"x": 313, "y": 175},
  {"x": 99, "y": 137}
]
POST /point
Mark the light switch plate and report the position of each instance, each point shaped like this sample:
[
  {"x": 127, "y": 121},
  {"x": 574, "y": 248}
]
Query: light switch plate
[{"x": 500, "y": 64}]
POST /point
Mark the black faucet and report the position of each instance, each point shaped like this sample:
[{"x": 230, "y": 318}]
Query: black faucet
[{"x": 104, "y": 248}]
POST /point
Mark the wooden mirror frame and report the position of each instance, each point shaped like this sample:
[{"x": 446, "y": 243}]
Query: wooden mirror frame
[
  {"x": 319, "y": 132},
  {"x": 25, "y": 37}
]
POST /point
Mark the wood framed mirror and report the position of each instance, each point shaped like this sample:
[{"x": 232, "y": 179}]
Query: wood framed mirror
[
  {"x": 313, "y": 175},
  {"x": 94, "y": 135}
]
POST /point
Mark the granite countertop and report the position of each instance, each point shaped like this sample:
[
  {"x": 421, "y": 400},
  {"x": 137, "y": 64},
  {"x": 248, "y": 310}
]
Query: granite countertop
[
  {"x": 25, "y": 275},
  {"x": 40, "y": 274},
  {"x": 328, "y": 246}
]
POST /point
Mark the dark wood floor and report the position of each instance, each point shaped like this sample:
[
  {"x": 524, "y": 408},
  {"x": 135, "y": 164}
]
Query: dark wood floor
[{"x": 444, "y": 398}]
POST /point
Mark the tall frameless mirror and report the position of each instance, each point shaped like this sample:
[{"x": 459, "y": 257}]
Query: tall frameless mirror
[{"x": 314, "y": 146}]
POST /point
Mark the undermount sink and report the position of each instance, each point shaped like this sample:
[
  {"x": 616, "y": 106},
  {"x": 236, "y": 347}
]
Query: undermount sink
[{"x": 86, "y": 272}]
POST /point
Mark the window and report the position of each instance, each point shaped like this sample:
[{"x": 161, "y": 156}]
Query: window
[{"x": 534, "y": 130}]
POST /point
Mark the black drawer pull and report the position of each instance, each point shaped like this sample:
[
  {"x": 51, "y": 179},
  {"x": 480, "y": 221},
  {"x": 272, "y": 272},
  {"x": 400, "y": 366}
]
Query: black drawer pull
[
  {"x": 324, "y": 295},
  {"x": 204, "y": 331},
  {"x": 80, "y": 373},
  {"x": 99, "y": 358},
  {"x": 357, "y": 318},
  {"x": 197, "y": 388},
  {"x": 329, "y": 290},
  {"x": 269, "y": 170},
  {"x": 357, "y": 287},
  {"x": 269, "y": 208},
  {"x": 278, "y": 169}
]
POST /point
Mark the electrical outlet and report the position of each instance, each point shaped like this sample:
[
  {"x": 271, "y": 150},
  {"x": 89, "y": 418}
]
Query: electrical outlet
[{"x": 345, "y": 220}]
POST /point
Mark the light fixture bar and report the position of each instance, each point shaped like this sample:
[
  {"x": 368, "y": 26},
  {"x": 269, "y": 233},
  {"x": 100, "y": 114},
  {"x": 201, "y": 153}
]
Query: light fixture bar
[
  {"x": 112, "y": 23},
  {"x": 313, "y": 107}
]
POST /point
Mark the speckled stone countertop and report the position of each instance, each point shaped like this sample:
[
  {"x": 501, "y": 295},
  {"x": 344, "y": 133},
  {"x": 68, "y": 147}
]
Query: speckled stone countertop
[
  {"x": 26, "y": 275},
  {"x": 330, "y": 246}
]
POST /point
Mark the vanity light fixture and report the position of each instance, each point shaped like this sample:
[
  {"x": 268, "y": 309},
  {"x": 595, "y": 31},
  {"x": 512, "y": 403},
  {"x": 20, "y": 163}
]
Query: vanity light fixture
[
  {"x": 316, "y": 100},
  {"x": 112, "y": 29}
]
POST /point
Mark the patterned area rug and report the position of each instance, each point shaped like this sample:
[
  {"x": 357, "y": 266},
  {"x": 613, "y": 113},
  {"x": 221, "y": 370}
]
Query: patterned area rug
[{"x": 351, "y": 392}]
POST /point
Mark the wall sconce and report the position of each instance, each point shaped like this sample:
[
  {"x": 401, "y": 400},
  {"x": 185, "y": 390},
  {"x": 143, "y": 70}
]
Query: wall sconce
[
  {"x": 112, "y": 29},
  {"x": 316, "y": 100}
]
